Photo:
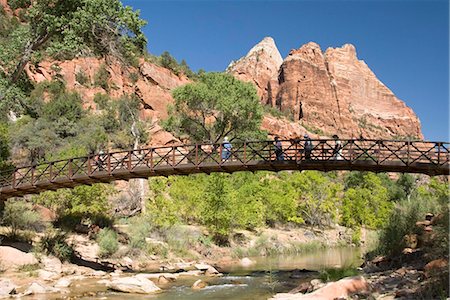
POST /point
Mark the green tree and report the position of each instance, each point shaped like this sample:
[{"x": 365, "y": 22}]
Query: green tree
[
  {"x": 63, "y": 29},
  {"x": 20, "y": 215},
  {"x": 4, "y": 142},
  {"x": 216, "y": 106},
  {"x": 218, "y": 212},
  {"x": 318, "y": 198},
  {"x": 367, "y": 204}
]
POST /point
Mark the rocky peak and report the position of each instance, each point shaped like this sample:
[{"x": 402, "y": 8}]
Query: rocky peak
[
  {"x": 331, "y": 92},
  {"x": 259, "y": 66},
  {"x": 309, "y": 52}
]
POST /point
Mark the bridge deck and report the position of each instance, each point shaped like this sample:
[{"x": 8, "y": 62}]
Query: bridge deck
[{"x": 430, "y": 158}]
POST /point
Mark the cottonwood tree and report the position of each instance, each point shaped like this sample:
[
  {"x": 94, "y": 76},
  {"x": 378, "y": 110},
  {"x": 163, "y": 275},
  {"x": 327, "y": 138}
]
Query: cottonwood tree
[{"x": 214, "y": 107}]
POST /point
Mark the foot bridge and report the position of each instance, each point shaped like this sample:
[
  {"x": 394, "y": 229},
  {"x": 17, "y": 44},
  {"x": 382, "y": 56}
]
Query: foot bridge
[{"x": 431, "y": 158}]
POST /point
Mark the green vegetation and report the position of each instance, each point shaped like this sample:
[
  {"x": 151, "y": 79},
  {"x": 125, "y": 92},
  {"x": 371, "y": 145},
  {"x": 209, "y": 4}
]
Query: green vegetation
[
  {"x": 82, "y": 78},
  {"x": 18, "y": 215},
  {"x": 337, "y": 274},
  {"x": 108, "y": 242},
  {"x": 217, "y": 106},
  {"x": 83, "y": 204},
  {"x": 166, "y": 60},
  {"x": 54, "y": 243},
  {"x": 101, "y": 77}
]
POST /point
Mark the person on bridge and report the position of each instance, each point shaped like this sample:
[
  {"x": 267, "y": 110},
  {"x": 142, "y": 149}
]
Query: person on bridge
[
  {"x": 337, "y": 151},
  {"x": 278, "y": 149},
  {"x": 308, "y": 147},
  {"x": 226, "y": 151}
]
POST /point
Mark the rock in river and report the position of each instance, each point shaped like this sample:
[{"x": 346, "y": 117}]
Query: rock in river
[{"x": 137, "y": 285}]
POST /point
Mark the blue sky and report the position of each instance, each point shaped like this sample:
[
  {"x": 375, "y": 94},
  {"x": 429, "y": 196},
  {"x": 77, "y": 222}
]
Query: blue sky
[{"x": 405, "y": 43}]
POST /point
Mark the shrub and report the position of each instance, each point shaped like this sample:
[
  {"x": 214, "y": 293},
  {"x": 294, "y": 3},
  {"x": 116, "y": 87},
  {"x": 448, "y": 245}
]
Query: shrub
[
  {"x": 107, "y": 240},
  {"x": 134, "y": 77},
  {"x": 18, "y": 215},
  {"x": 15, "y": 4},
  {"x": 82, "y": 78},
  {"x": 402, "y": 222},
  {"x": 54, "y": 242},
  {"x": 101, "y": 77},
  {"x": 140, "y": 228},
  {"x": 337, "y": 274}
]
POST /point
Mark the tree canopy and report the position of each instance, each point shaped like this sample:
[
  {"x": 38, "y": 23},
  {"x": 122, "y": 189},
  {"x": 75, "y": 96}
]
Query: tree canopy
[
  {"x": 65, "y": 29},
  {"x": 214, "y": 107}
]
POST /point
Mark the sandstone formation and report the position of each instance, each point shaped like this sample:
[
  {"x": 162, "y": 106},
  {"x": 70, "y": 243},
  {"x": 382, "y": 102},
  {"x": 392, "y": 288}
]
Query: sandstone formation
[
  {"x": 326, "y": 93},
  {"x": 260, "y": 65},
  {"x": 151, "y": 83}
]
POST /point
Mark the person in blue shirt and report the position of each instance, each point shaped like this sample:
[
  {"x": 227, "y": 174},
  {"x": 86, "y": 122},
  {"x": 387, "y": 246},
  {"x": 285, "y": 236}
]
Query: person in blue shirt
[{"x": 226, "y": 151}]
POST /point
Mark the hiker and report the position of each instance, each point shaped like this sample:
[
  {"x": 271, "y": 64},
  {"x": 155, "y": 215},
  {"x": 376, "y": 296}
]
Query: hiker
[
  {"x": 308, "y": 147},
  {"x": 99, "y": 160},
  {"x": 278, "y": 149},
  {"x": 226, "y": 151},
  {"x": 337, "y": 151}
]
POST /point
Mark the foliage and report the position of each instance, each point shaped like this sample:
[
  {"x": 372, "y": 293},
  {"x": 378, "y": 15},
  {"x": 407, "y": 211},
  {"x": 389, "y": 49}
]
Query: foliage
[
  {"x": 140, "y": 229},
  {"x": 318, "y": 198},
  {"x": 15, "y": 4},
  {"x": 88, "y": 203},
  {"x": 4, "y": 142},
  {"x": 19, "y": 215},
  {"x": 216, "y": 106},
  {"x": 166, "y": 60},
  {"x": 107, "y": 240},
  {"x": 102, "y": 77},
  {"x": 327, "y": 275},
  {"x": 82, "y": 78},
  {"x": 365, "y": 203},
  {"x": 429, "y": 198},
  {"x": 218, "y": 210},
  {"x": 54, "y": 243}
]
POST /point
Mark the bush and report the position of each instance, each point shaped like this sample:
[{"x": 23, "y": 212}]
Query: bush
[
  {"x": 401, "y": 222},
  {"x": 82, "y": 78},
  {"x": 140, "y": 229},
  {"x": 19, "y": 215},
  {"x": 134, "y": 77},
  {"x": 54, "y": 243},
  {"x": 101, "y": 78},
  {"x": 107, "y": 240},
  {"x": 337, "y": 274},
  {"x": 15, "y": 4}
]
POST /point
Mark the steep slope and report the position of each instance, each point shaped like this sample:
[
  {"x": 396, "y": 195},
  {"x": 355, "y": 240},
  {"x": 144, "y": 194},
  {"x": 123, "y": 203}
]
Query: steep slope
[
  {"x": 152, "y": 84},
  {"x": 331, "y": 93}
]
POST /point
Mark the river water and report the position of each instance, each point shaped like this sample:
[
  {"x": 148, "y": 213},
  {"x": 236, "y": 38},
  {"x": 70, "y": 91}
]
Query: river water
[{"x": 268, "y": 276}]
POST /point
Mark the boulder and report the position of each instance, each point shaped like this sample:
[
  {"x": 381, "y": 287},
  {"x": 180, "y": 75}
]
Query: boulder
[
  {"x": 48, "y": 275},
  {"x": 52, "y": 264},
  {"x": 211, "y": 271},
  {"x": 7, "y": 287},
  {"x": 245, "y": 262},
  {"x": 333, "y": 290},
  {"x": 435, "y": 266},
  {"x": 11, "y": 257},
  {"x": 202, "y": 267},
  {"x": 63, "y": 283},
  {"x": 39, "y": 288},
  {"x": 135, "y": 285},
  {"x": 199, "y": 284}
]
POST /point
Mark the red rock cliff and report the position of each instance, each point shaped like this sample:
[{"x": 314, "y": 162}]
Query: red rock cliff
[{"x": 328, "y": 93}]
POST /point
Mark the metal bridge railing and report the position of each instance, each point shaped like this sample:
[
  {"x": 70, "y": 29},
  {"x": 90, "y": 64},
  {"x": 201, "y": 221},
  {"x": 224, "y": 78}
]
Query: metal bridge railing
[{"x": 403, "y": 154}]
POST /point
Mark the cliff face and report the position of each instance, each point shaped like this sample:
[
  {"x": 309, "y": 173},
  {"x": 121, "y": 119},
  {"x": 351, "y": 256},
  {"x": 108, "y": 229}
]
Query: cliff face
[
  {"x": 329, "y": 93},
  {"x": 152, "y": 84}
]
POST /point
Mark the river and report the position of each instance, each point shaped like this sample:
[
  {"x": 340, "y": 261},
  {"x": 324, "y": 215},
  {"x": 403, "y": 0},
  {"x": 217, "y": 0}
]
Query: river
[{"x": 268, "y": 276}]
